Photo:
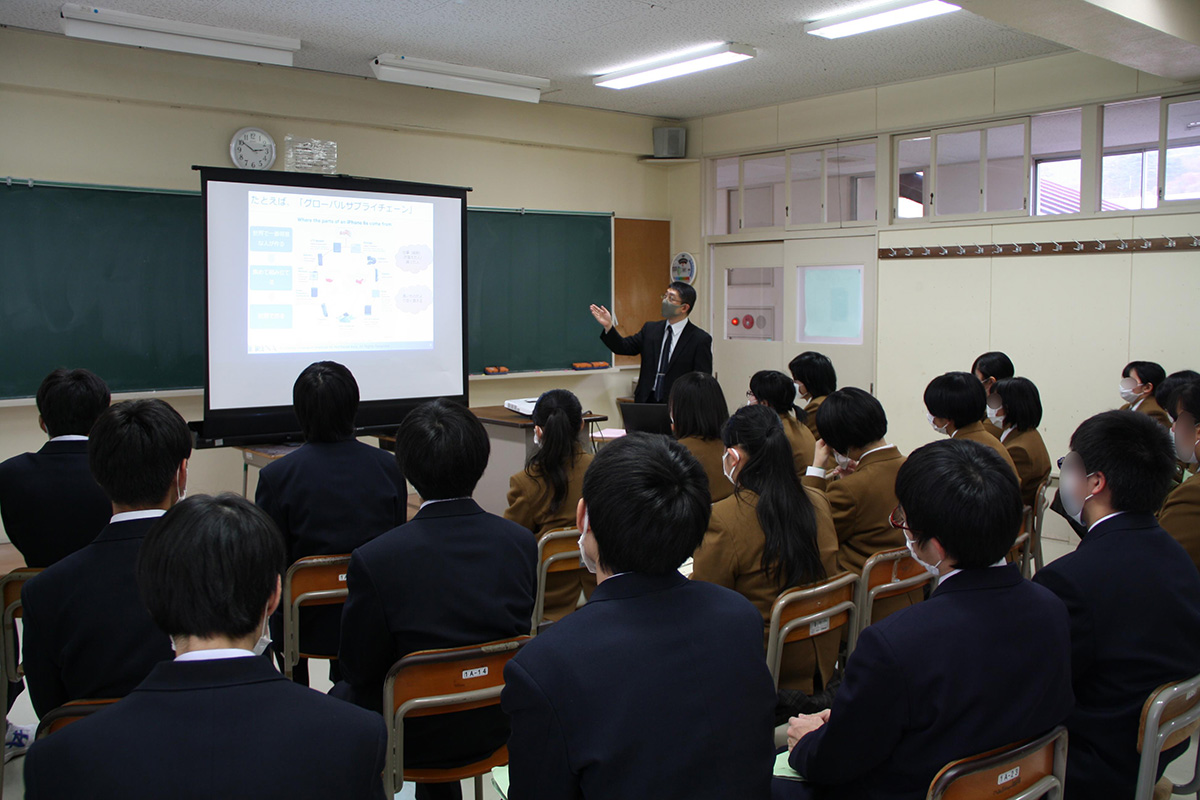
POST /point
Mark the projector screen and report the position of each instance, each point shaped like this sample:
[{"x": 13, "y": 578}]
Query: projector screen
[{"x": 304, "y": 268}]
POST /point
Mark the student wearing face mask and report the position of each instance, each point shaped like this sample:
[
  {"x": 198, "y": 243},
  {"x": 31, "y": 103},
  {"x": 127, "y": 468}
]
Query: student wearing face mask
[
  {"x": 1133, "y": 595},
  {"x": 1016, "y": 407},
  {"x": 1180, "y": 515},
  {"x": 542, "y": 497},
  {"x": 1164, "y": 395},
  {"x": 770, "y": 536},
  {"x": 1138, "y": 381},
  {"x": 990, "y": 368},
  {"x": 956, "y": 405},
  {"x": 216, "y": 721},
  {"x": 984, "y": 662},
  {"x": 698, "y": 412},
  {"x": 815, "y": 380},
  {"x": 773, "y": 389}
]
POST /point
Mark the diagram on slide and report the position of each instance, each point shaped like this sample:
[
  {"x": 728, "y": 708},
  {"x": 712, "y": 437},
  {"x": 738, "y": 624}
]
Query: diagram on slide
[{"x": 332, "y": 274}]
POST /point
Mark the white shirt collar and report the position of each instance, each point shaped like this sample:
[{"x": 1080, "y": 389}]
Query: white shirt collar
[
  {"x": 1004, "y": 433},
  {"x": 69, "y": 437},
  {"x": 215, "y": 654},
  {"x": 677, "y": 328},
  {"x": 876, "y": 450},
  {"x": 955, "y": 571},
  {"x": 1102, "y": 519},
  {"x": 443, "y": 500},
  {"x": 147, "y": 513},
  {"x": 1134, "y": 407}
]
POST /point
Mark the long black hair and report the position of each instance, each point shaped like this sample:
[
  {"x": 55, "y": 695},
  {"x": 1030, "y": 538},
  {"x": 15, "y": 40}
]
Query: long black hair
[
  {"x": 777, "y": 391},
  {"x": 559, "y": 415},
  {"x": 787, "y": 517},
  {"x": 697, "y": 406}
]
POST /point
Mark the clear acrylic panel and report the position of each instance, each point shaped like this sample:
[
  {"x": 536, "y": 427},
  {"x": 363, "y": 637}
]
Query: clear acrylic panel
[
  {"x": 804, "y": 172},
  {"x": 850, "y": 182},
  {"x": 957, "y": 189}
]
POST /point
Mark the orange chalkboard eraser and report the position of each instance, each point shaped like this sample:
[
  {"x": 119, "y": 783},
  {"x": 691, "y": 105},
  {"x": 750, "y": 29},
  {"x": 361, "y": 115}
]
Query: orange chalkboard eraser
[{"x": 495, "y": 370}]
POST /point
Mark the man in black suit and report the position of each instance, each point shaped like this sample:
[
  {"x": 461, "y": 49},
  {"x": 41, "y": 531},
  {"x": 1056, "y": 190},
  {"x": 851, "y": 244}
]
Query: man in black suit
[
  {"x": 688, "y": 348},
  {"x": 657, "y": 687},
  {"x": 452, "y": 576},
  {"x": 330, "y": 496},
  {"x": 49, "y": 501},
  {"x": 216, "y": 721},
  {"x": 983, "y": 663},
  {"x": 1132, "y": 592},
  {"x": 87, "y": 634}
]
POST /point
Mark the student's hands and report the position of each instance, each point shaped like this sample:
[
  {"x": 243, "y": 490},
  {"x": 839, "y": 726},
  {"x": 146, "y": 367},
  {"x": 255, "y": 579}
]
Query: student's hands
[
  {"x": 822, "y": 455},
  {"x": 803, "y": 725},
  {"x": 603, "y": 316}
]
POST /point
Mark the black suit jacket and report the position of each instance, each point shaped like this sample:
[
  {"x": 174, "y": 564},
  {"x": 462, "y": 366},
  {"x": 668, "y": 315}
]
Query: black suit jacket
[
  {"x": 327, "y": 499},
  {"x": 693, "y": 353},
  {"x": 50, "y": 503},
  {"x": 983, "y": 663},
  {"x": 452, "y": 576},
  {"x": 87, "y": 634},
  {"x": 1134, "y": 599},
  {"x": 206, "y": 729},
  {"x": 656, "y": 688}
]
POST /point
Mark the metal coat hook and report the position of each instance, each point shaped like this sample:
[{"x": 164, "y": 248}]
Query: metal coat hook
[
  {"x": 1122, "y": 244},
  {"x": 1146, "y": 243},
  {"x": 1078, "y": 245},
  {"x": 1037, "y": 248},
  {"x": 944, "y": 252},
  {"x": 908, "y": 251},
  {"x": 925, "y": 251},
  {"x": 1099, "y": 245},
  {"x": 1195, "y": 240},
  {"x": 1170, "y": 242},
  {"x": 891, "y": 252},
  {"x": 1057, "y": 247},
  {"x": 1016, "y": 247},
  {"x": 962, "y": 251},
  {"x": 978, "y": 249}
]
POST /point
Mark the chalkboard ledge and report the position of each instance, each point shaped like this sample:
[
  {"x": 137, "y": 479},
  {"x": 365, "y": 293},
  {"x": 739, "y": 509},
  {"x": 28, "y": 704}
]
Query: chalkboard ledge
[
  {"x": 16, "y": 402},
  {"x": 549, "y": 373}
]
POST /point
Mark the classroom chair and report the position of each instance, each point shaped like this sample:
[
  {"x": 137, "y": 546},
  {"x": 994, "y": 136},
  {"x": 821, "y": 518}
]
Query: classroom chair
[
  {"x": 1023, "y": 771},
  {"x": 433, "y": 682},
  {"x": 1020, "y": 552},
  {"x": 10, "y": 596},
  {"x": 1170, "y": 716},
  {"x": 558, "y": 551},
  {"x": 311, "y": 581},
  {"x": 69, "y": 712},
  {"x": 888, "y": 573},
  {"x": 807, "y": 612},
  {"x": 1041, "y": 503}
]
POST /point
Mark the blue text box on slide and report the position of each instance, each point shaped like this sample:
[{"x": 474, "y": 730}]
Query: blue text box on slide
[
  {"x": 270, "y": 316},
  {"x": 270, "y": 278},
  {"x": 269, "y": 239}
]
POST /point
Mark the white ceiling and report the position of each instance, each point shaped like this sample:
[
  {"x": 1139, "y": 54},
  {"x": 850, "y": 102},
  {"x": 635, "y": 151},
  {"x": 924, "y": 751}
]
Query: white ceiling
[{"x": 571, "y": 41}]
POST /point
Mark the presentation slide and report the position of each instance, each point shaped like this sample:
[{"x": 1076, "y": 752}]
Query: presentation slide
[{"x": 298, "y": 274}]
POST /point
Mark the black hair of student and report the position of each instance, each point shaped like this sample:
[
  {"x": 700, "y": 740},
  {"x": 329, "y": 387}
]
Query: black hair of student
[
  {"x": 966, "y": 496},
  {"x": 209, "y": 566},
  {"x": 687, "y": 294},
  {"x": 1148, "y": 372},
  {"x": 1187, "y": 399},
  {"x": 1022, "y": 402},
  {"x": 648, "y": 504},
  {"x": 789, "y": 523},
  {"x": 698, "y": 406},
  {"x": 1164, "y": 393},
  {"x": 69, "y": 401},
  {"x": 442, "y": 450},
  {"x": 135, "y": 449},
  {"x": 778, "y": 391},
  {"x": 851, "y": 417},
  {"x": 816, "y": 372},
  {"x": 559, "y": 415},
  {"x": 1134, "y": 452},
  {"x": 994, "y": 364},
  {"x": 325, "y": 398},
  {"x": 958, "y": 397}
]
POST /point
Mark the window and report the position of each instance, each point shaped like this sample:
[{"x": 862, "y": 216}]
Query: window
[
  {"x": 913, "y": 159},
  {"x": 806, "y": 169},
  {"x": 1181, "y": 179},
  {"x": 1129, "y": 160},
  {"x": 956, "y": 186},
  {"x": 724, "y": 212},
  {"x": 763, "y": 185},
  {"x": 1056, "y": 143},
  {"x": 830, "y": 303},
  {"x": 850, "y": 183},
  {"x": 1006, "y": 171}
]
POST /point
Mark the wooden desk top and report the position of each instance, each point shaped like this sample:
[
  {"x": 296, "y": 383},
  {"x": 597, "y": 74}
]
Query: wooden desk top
[{"x": 499, "y": 415}]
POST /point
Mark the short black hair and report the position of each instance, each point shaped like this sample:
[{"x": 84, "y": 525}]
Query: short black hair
[
  {"x": 442, "y": 450},
  {"x": 1134, "y": 452},
  {"x": 1164, "y": 393},
  {"x": 966, "y": 496},
  {"x": 698, "y": 406},
  {"x": 1187, "y": 397},
  {"x": 1021, "y": 402},
  {"x": 134, "y": 451},
  {"x": 687, "y": 294},
  {"x": 777, "y": 391},
  {"x": 70, "y": 400},
  {"x": 994, "y": 364},
  {"x": 648, "y": 504},
  {"x": 849, "y": 418},
  {"x": 208, "y": 567},
  {"x": 325, "y": 398},
  {"x": 958, "y": 397},
  {"x": 816, "y": 372},
  {"x": 1148, "y": 372}
]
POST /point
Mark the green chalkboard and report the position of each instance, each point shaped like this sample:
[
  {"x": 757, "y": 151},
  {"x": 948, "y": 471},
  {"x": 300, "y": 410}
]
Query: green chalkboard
[{"x": 530, "y": 279}]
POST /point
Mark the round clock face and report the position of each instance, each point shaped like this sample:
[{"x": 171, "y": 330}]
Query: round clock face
[{"x": 252, "y": 148}]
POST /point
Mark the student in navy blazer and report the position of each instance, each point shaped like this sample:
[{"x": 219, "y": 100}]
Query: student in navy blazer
[
  {"x": 657, "y": 687},
  {"x": 454, "y": 575},
  {"x": 216, "y": 721},
  {"x": 1132, "y": 592},
  {"x": 691, "y": 347},
  {"x": 330, "y": 496},
  {"x": 983, "y": 663}
]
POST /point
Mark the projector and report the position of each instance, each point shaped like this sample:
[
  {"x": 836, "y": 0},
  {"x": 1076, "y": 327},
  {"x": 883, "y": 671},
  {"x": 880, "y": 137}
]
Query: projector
[{"x": 522, "y": 405}]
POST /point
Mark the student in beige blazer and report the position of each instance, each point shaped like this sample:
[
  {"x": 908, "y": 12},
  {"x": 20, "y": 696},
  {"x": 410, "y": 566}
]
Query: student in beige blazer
[
  {"x": 543, "y": 496},
  {"x": 989, "y": 368},
  {"x": 1017, "y": 406},
  {"x": 775, "y": 390},
  {"x": 1180, "y": 515},
  {"x": 815, "y": 380},
  {"x": 698, "y": 412},
  {"x": 1138, "y": 381},
  {"x": 771, "y": 535},
  {"x": 956, "y": 404}
]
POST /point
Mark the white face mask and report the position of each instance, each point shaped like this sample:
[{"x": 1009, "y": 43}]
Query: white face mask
[
  {"x": 994, "y": 415},
  {"x": 842, "y": 461},
  {"x": 803, "y": 395},
  {"x": 1069, "y": 488},
  {"x": 1185, "y": 450},
  {"x": 537, "y": 440},
  {"x": 587, "y": 560},
  {"x": 932, "y": 569},
  {"x": 264, "y": 641},
  {"x": 1128, "y": 395},
  {"x": 729, "y": 470},
  {"x": 941, "y": 430}
]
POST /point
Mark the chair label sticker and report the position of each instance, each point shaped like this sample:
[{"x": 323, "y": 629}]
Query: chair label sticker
[
  {"x": 820, "y": 626},
  {"x": 478, "y": 672},
  {"x": 1011, "y": 775}
]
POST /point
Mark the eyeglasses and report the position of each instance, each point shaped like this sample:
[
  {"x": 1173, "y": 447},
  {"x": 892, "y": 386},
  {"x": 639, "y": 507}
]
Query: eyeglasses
[
  {"x": 673, "y": 300},
  {"x": 750, "y": 395},
  {"x": 898, "y": 520}
]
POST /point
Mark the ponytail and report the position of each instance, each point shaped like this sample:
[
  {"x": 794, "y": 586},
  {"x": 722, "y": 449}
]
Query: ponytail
[{"x": 559, "y": 415}]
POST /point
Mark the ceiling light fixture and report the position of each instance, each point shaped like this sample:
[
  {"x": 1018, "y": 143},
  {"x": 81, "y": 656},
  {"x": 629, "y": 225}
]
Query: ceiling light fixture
[
  {"x": 456, "y": 78},
  {"x": 883, "y": 15},
  {"x": 683, "y": 64},
  {"x": 118, "y": 27}
]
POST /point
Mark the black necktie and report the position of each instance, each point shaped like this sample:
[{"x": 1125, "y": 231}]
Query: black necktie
[{"x": 663, "y": 359}]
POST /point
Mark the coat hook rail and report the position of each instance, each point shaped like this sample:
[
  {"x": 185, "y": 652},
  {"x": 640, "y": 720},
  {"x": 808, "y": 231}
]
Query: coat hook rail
[{"x": 1073, "y": 247}]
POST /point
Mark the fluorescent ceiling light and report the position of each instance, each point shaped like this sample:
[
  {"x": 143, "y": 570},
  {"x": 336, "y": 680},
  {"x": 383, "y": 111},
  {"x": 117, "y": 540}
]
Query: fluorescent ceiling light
[
  {"x": 671, "y": 67},
  {"x": 883, "y": 15},
  {"x": 118, "y": 27},
  {"x": 456, "y": 78}
]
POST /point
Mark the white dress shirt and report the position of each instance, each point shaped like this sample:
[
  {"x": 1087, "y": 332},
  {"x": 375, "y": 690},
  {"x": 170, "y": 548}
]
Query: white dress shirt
[
  {"x": 214, "y": 654},
  {"x": 147, "y": 513},
  {"x": 676, "y": 331}
]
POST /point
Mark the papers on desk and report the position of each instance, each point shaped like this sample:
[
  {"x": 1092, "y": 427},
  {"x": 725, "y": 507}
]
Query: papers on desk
[
  {"x": 500, "y": 780},
  {"x": 605, "y": 434},
  {"x": 782, "y": 768}
]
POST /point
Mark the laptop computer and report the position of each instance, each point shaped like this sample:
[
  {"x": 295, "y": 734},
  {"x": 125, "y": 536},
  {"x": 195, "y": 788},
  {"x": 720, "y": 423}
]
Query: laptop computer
[{"x": 646, "y": 417}]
